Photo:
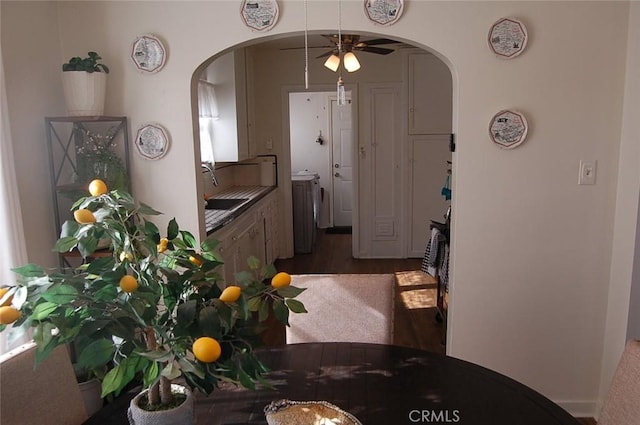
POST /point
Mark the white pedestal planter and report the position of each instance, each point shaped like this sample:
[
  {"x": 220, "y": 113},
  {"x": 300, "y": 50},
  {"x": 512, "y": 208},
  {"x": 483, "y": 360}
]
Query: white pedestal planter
[
  {"x": 84, "y": 92},
  {"x": 182, "y": 414}
]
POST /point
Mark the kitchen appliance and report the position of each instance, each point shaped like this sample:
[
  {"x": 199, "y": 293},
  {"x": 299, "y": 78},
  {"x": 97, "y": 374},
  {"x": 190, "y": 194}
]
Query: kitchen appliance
[{"x": 305, "y": 188}]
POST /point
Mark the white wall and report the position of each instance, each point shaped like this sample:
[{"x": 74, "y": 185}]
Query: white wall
[
  {"x": 532, "y": 249},
  {"x": 32, "y": 65},
  {"x": 625, "y": 246}
]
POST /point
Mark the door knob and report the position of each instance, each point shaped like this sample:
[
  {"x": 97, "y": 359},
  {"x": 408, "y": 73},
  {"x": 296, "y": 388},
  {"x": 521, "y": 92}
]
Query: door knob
[
  {"x": 336, "y": 165},
  {"x": 336, "y": 175}
]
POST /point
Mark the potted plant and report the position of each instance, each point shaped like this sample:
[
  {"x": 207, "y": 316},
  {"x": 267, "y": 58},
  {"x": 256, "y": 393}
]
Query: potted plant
[
  {"x": 84, "y": 83},
  {"x": 156, "y": 309}
]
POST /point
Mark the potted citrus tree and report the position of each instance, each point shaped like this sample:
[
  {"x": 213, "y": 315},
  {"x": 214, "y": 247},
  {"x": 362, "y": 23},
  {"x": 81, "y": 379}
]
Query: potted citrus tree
[
  {"x": 154, "y": 309},
  {"x": 84, "y": 82}
]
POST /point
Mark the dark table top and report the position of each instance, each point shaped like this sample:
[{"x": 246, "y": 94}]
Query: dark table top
[{"x": 380, "y": 385}]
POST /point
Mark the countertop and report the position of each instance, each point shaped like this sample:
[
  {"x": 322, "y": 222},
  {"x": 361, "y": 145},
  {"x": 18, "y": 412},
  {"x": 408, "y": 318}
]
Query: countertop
[{"x": 217, "y": 219}]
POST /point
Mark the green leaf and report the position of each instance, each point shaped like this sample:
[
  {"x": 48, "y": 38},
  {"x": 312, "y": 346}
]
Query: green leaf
[
  {"x": 69, "y": 228},
  {"x": 269, "y": 271},
  {"x": 254, "y": 303},
  {"x": 295, "y": 306},
  {"x": 246, "y": 380},
  {"x": 65, "y": 244},
  {"x": 106, "y": 293},
  {"x": 281, "y": 312},
  {"x": 209, "y": 244},
  {"x": 172, "y": 229},
  {"x": 29, "y": 270},
  {"x": 263, "y": 313},
  {"x": 100, "y": 265},
  {"x": 156, "y": 356},
  {"x": 171, "y": 371},
  {"x": 43, "y": 310},
  {"x": 151, "y": 374},
  {"x": 290, "y": 291},
  {"x": 209, "y": 322},
  {"x": 186, "y": 313},
  {"x": 253, "y": 262},
  {"x": 62, "y": 294},
  {"x": 87, "y": 246},
  {"x": 188, "y": 239},
  {"x": 147, "y": 210},
  {"x": 112, "y": 381},
  {"x": 97, "y": 353},
  {"x": 152, "y": 232}
]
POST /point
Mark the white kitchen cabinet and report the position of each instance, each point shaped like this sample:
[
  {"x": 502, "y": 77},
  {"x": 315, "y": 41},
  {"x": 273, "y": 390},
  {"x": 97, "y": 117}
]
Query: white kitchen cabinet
[
  {"x": 268, "y": 213},
  {"x": 230, "y": 135},
  {"x": 240, "y": 240},
  {"x": 253, "y": 233},
  {"x": 429, "y": 95}
]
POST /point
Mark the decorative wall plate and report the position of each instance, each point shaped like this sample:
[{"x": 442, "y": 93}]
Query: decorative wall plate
[
  {"x": 148, "y": 54},
  {"x": 383, "y": 12},
  {"x": 508, "y": 129},
  {"x": 152, "y": 141},
  {"x": 259, "y": 15},
  {"x": 508, "y": 37}
]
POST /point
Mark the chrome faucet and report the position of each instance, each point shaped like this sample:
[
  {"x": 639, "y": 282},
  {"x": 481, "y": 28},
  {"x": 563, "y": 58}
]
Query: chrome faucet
[{"x": 209, "y": 167}]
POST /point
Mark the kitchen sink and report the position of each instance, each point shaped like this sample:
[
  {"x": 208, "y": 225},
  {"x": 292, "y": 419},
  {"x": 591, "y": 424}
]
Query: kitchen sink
[{"x": 224, "y": 203}]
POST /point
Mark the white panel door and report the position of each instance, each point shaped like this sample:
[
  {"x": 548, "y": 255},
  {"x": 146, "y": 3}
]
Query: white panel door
[
  {"x": 380, "y": 154},
  {"x": 342, "y": 148}
]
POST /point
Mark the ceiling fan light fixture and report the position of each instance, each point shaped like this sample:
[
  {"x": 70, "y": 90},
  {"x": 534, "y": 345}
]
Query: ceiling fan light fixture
[
  {"x": 332, "y": 62},
  {"x": 351, "y": 63}
]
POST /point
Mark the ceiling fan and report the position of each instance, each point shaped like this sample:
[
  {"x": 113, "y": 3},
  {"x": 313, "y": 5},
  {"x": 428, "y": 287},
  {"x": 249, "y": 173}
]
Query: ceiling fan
[
  {"x": 351, "y": 42},
  {"x": 347, "y": 44}
]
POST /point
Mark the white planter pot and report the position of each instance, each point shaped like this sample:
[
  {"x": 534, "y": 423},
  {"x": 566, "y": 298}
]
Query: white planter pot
[
  {"x": 91, "y": 391},
  {"x": 182, "y": 414},
  {"x": 84, "y": 92}
]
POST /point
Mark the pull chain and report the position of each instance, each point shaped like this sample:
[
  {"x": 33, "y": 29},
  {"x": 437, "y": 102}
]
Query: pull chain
[{"x": 306, "y": 48}]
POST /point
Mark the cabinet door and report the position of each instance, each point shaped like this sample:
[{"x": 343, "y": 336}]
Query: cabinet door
[{"x": 430, "y": 95}]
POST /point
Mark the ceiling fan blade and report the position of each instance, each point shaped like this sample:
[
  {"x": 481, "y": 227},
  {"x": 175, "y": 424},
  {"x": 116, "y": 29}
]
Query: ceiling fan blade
[
  {"x": 325, "y": 54},
  {"x": 378, "y": 50},
  {"x": 378, "y": 41}
]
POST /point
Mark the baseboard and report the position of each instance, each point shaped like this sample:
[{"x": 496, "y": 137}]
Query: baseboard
[{"x": 579, "y": 409}]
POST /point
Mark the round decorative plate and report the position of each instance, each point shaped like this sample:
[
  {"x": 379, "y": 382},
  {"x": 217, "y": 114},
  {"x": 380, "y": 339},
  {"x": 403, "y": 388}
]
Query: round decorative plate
[
  {"x": 508, "y": 38},
  {"x": 383, "y": 12},
  {"x": 508, "y": 129},
  {"x": 259, "y": 15},
  {"x": 148, "y": 54},
  {"x": 152, "y": 141}
]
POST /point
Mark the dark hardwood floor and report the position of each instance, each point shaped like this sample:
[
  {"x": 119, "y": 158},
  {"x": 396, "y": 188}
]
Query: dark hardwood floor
[{"x": 415, "y": 297}]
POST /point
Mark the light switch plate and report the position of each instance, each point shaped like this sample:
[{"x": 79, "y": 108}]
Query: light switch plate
[{"x": 587, "y": 171}]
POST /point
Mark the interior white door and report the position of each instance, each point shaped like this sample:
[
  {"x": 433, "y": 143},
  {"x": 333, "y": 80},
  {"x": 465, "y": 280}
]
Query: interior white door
[{"x": 342, "y": 164}]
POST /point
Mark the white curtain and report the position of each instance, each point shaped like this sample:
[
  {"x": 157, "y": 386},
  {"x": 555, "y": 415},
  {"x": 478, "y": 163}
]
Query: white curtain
[
  {"x": 208, "y": 111},
  {"x": 13, "y": 250}
]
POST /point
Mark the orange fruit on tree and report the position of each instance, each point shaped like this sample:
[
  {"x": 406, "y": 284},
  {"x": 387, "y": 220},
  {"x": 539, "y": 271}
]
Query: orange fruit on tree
[
  {"x": 3, "y": 291},
  {"x": 9, "y": 315},
  {"x": 97, "y": 187},
  {"x": 195, "y": 260},
  {"x": 128, "y": 283},
  {"x": 206, "y": 349},
  {"x": 84, "y": 216},
  {"x": 280, "y": 280},
  {"x": 230, "y": 294},
  {"x": 162, "y": 246}
]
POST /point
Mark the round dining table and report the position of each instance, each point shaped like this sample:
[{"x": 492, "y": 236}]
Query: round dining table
[{"x": 379, "y": 385}]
